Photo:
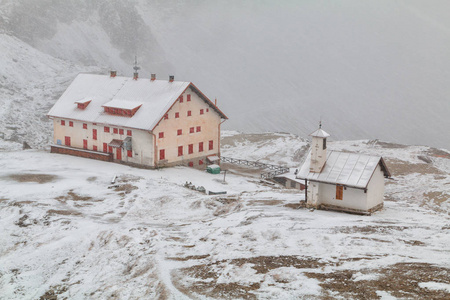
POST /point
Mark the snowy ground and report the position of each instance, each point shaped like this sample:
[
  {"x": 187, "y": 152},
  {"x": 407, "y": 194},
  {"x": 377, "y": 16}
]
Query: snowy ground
[{"x": 66, "y": 233}]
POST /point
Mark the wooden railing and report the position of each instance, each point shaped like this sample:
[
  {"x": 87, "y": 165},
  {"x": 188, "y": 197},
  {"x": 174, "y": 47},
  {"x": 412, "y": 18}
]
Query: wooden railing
[{"x": 275, "y": 169}]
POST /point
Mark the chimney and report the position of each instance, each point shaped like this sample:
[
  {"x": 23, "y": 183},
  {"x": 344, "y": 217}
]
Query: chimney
[
  {"x": 171, "y": 78},
  {"x": 135, "y": 75},
  {"x": 153, "y": 77},
  {"x": 215, "y": 102},
  {"x": 113, "y": 74}
]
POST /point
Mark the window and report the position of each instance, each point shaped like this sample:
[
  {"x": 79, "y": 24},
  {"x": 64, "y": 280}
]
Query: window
[
  {"x": 190, "y": 148},
  {"x": 211, "y": 145},
  {"x": 179, "y": 131},
  {"x": 191, "y": 164},
  {"x": 293, "y": 184},
  {"x": 161, "y": 135},
  {"x": 200, "y": 147},
  {"x": 121, "y": 131},
  {"x": 84, "y": 126},
  {"x": 94, "y": 134},
  {"x": 180, "y": 150},
  {"x": 166, "y": 116},
  {"x": 129, "y": 133},
  {"x": 200, "y": 162},
  {"x": 191, "y": 130},
  {"x": 129, "y": 153},
  {"x": 63, "y": 123},
  {"x": 199, "y": 128},
  {"x": 189, "y": 113},
  {"x": 70, "y": 123},
  {"x": 105, "y": 147},
  {"x": 181, "y": 99},
  {"x": 162, "y": 154},
  {"x": 177, "y": 115},
  {"x": 324, "y": 144},
  {"x": 201, "y": 111},
  {"x": 106, "y": 129},
  {"x": 339, "y": 192},
  {"x": 188, "y": 97},
  {"x": 67, "y": 140},
  {"x": 207, "y": 110},
  {"x": 94, "y": 148},
  {"x": 84, "y": 144},
  {"x": 115, "y": 130}
]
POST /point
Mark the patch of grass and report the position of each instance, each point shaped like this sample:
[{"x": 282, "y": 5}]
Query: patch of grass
[
  {"x": 38, "y": 178},
  {"x": 400, "y": 168},
  {"x": 126, "y": 188},
  {"x": 73, "y": 196},
  {"x": 63, "y": 212}
]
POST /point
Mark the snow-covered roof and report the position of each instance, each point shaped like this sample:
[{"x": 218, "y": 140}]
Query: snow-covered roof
[
  {"x": 156, "y": 97},
  {"x": 320, "y": 133},
  {"x": 123, "y": 104},
  {"x": 349, "y": 169}
]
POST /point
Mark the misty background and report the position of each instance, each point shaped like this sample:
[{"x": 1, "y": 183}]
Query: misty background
[{"x": 368, "y": 69}]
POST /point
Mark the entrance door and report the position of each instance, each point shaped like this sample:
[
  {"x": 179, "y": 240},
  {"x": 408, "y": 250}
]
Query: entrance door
[
  {"x": 119, "y": 153},
  {"x": 94, "y": 134},
  {"x": 67, "y": 140},
  {"x": 84, "y": 144}
]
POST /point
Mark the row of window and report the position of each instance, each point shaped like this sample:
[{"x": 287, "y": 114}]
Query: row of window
[
  {"x": 162, "y": 152},
  {"x": 189, "y": 113},
  {"x": 106, "y": 148},
  {"x": 188, "y": 98},
  {"x": 94, "y": 131}
]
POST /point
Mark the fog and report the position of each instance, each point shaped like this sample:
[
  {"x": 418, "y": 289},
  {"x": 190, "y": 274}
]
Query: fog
[{"x": 367, "y": 69}]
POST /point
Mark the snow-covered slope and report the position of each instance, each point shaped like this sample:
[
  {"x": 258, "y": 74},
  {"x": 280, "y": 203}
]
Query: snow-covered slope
[
  {"x": 66, "y": 232},
  {"x": 30, "y": 83}
]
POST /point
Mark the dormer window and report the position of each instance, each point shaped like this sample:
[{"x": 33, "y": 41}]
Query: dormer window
[
  {"x": 82, "y": 104},
  {"x": 121, "y": 108}
]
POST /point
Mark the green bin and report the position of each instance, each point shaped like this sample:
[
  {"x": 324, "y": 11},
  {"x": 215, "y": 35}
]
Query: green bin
[{"x": 213, "y": 169}]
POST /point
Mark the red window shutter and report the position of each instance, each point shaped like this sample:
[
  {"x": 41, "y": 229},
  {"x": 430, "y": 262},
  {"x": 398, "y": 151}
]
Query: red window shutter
[
  {"x": 179, "y": 131},
  {"x": 189, "y": 113},
  {"x": 177, "y": 115},
  {"x": 191, "y": 148},
  {"x": 207, "y": 110},
  {"x": 105, "y": 147},
  {"x": 180, "y": 150},
  {"x": 200, "y": 162},
  {"x": 166, "y": 116},
  {"x": 161, "y": 135},
  {"x": 119, "y": 153},
  {"x": 181, "y": 99},
  {"x": 211, "y": 145},
  {"x": 188, "y": 97},
  {"x": 70, "y": 123},
  {"x": 191, "y": 130},
  {"x": 94, "y": 134},
  {"x": 162, "y": 154},
  {"x": 94, "y": 148},
  {"x": 115, "y": 130},
  {"x": 200, "y": 147},
  {"x": 110, "y": 149},
  {"x": 63, "y": 123},
  {"x": 129, "y": 133},
  {"x": 199, "y": 128},
  {"x": 106, "y": 129},
  {"x": 84, "y": 126},
  {"x": 84, "y": 144},
  {"x": 67, "y": 140},
  {"x": 201, "y": 111},
  {"x": 121, "y": 131},
  {"x": 129, "y": 153},
  {"x": 191, "y": 164}
]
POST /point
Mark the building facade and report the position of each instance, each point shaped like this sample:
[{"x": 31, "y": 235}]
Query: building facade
[{"x": 151, "y": 123}]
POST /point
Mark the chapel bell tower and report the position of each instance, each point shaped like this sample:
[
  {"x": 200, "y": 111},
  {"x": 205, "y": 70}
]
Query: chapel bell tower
[{"x": 318, "y": 150}]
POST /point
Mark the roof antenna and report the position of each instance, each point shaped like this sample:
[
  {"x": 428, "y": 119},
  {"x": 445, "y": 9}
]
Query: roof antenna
[{"x": 136, "y": 68}]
